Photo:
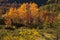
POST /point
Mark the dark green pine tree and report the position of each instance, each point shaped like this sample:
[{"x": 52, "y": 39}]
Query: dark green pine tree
[{"x": 53, "y": 1}]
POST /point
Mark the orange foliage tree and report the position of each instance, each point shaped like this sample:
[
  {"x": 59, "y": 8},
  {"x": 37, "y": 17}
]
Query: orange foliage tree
[
  {"x": 34, "y": 12},
  {"x": 22, "y": 12},
  {"x": 10, "y": 16}
]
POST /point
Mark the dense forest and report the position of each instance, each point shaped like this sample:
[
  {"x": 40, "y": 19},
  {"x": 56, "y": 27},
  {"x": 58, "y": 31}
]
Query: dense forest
[{"x": 30, "y": 20}]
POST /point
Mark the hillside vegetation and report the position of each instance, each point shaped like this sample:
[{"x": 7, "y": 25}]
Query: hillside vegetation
[{"x": 28, "y": 22}]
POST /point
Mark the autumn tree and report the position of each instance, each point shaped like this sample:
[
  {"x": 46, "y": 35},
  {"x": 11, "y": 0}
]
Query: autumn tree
[
  {"x": 22, "y": 12},
  {"x": 10, "y": 16},
  {"x": 34, "y": 12}
]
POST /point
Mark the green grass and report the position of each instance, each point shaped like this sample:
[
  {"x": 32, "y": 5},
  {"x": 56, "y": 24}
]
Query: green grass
[{"x": 27, "y": 34}]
